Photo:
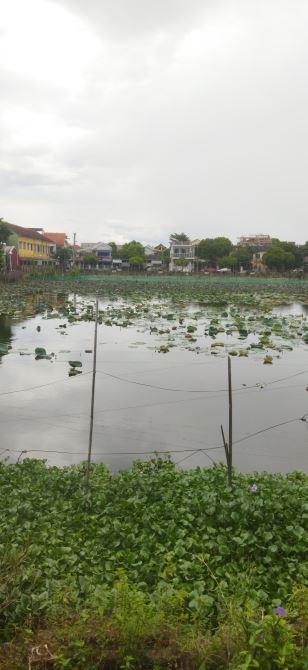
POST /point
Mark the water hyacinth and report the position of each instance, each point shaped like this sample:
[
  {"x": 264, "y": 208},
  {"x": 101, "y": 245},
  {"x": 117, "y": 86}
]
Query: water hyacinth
[
  {"x": 280, "y": 611},
  {"x": 254, "y": 488}
]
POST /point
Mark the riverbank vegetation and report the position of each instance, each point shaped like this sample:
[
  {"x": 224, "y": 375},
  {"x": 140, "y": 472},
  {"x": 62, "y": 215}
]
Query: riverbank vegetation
[{"x": 154, "y": 567}]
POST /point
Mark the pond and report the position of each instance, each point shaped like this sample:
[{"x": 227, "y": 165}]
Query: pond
[{"x": 161, "y": 383}]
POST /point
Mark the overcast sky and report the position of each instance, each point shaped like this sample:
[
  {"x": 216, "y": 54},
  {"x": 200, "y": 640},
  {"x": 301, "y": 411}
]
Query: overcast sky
[{"x": 124, "y": 119}]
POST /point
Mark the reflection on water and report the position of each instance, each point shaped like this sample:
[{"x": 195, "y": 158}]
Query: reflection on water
[
  {"x": 134, "y": 416},
  {"x": 296, "y": 309},
  {"x": 5, "y": 330},
  {"x": 6, "y": 334}
]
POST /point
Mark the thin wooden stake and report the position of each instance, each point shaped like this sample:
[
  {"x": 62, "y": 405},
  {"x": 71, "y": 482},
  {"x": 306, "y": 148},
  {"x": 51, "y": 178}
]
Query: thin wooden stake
[
  {"x": 92, "y": 398},
  {"x": 225, "y": 445},
  {"x": 228, "y": 445}
]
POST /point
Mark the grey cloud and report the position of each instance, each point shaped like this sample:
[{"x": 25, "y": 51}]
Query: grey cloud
[
  {"x": 195, "y": 119},
  {"x": 135, "y": 19}
]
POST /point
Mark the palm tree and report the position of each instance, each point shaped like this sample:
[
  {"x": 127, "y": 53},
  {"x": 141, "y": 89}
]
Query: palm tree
[{"x": 179, "y": 237}]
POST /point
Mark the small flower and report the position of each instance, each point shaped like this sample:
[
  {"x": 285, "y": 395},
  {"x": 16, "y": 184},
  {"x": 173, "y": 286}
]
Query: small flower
[
  {"x": 280, "y": 611},
  {"x": 254, "y": 488}
]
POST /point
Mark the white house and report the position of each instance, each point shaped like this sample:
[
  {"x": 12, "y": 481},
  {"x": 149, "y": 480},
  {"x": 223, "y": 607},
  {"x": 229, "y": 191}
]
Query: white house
[{"x": 186, "y": 250}]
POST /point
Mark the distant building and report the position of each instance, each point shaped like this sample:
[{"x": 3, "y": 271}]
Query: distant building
[
  {"x": 183, "y": 250},
  {"x": 151, "y": 260},
  {"x": 60, "y": 240},
  {"x": 255, "y": 241},
  {"x": 102, "y": 251},
  {"x": 257, "y": 261},
  {"x": 87, "y": 245},
  {"x": 33, "y": 247},
  {"x": 160, "y": 248},
  {"x": 148, "y": 250}
]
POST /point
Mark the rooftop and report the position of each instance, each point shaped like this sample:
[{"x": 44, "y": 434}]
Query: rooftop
[
  {"x": 28, "y": 232},
  {"x": 58, "y": 238}
]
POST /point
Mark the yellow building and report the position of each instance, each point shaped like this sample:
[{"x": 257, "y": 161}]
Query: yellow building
[{"x": 33, "y": 247}]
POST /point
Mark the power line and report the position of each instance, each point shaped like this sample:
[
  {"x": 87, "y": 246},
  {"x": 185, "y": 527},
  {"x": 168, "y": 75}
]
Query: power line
[
  {"x": 39, "y": 386},
  {"x": 153, "y": 386},
  {"x": 160, "y": 451},
  {"x": 160, "y": 388},
  {"x": 141, "y": 406},
  {"x": 283, "y": 379},
  {"x": 183, "y": 390},
  {"x": 258, "y": 432},
  {"x": 264, "y": 430},
  {"x": 190, "y": 455}
]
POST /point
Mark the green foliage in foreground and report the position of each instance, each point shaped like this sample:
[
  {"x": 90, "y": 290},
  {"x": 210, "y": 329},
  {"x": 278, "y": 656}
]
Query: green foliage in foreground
[
  {"x": 122, "y": 627},
  {"x": 152, "y": 557}
]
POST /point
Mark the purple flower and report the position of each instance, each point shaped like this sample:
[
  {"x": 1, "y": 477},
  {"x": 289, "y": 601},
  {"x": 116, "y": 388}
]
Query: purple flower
[
  {"x": 254, "y": 488},
  {"x": 280, "y": 611}
]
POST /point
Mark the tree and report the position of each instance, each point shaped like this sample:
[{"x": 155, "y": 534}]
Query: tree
[
  {"x": 211, "y": 249},
  {"x": 64, "y": 255},
  {"x": 165, "y": 257},
  {"x": 181, "y": 262},
  {"x": 243, "y": 256},
  {"x": 179, "y": 237},
  {"x": 4, "y": 236},
  {"x": 292, "y": 248},
  {"x": 136, "y": 261},
  {"x": 228, "y": 261},
  {"x": 114, "y": 250},
  {"x": 304, "y": 253},
  {"x": 278, "y": 259},
  {"x": 5, "y": 232},
  {"x": 89, "y": 259},
  {"x": 132, "y": 250}
]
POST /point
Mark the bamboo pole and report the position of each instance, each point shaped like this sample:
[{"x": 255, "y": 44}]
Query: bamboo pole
[
  {"x": 230, "y": 443},
  {"x": 92, "y": 398}
]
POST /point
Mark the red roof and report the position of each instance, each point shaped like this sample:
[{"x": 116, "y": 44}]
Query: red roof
[
  {"x": 58, "y": 238},
  {"x": 28, "y": 232}
]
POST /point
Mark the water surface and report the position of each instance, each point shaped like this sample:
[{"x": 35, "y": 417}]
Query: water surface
[{"x": 134, "y": 415}]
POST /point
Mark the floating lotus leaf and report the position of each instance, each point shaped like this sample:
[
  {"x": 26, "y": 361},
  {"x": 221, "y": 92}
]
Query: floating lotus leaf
[{"x": 40, "y": 351}]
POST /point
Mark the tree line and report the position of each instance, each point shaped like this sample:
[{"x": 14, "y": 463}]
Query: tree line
[{"x": 281, "y": 256}]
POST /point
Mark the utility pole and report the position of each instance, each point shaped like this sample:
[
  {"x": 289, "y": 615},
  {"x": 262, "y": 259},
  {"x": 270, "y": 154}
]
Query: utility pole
[
  {"x": 92, "y": 398},
  {"x": 74, "y": 249}
]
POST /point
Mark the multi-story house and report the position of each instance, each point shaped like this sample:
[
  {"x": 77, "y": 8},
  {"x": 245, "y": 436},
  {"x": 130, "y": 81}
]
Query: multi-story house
[
  {"x": 60, "y": 240},
  {"x": 102, "y": 251},
  {"x": 160, "y": 248},
  {"x": 180, "y": 251},
  {"x": 151, "y": 260},
  {"x": 255, "y": 241},
  {"x": 34, "y": 248}
]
